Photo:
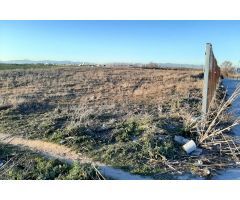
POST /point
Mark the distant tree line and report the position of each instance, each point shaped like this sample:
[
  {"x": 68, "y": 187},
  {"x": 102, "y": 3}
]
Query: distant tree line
[{"x": 228, "y": 69}]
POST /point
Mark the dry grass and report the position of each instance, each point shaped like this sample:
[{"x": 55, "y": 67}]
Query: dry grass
[
  {"x": 126, "y": 117},
  {"x": 98, "y": 86},
  {"x": 211, "y": 131}
]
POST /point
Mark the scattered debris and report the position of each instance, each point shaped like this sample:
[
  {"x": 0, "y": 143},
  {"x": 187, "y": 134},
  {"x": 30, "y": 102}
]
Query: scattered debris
[
  {"x": 180, "y": 139},
  {"x": 190, "y": 146}
]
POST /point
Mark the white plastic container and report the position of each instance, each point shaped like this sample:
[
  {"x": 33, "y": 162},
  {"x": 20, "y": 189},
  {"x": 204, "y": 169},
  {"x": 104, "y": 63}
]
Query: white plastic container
[{"x": 190, "y": 146}]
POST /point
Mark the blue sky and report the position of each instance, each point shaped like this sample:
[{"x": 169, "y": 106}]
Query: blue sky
[{"x": 119, "y": 41}]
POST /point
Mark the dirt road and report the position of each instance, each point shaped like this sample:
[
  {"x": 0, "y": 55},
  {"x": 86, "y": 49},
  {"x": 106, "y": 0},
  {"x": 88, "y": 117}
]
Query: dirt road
[{"x": 55, "y": 151}]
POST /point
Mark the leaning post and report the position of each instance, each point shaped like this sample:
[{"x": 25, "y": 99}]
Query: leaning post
[{"x": 205, "y": 100}]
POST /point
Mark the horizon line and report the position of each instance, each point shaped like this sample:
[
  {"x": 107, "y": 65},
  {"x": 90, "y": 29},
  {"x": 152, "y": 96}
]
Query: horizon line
[{"x": 109, "y": 62}]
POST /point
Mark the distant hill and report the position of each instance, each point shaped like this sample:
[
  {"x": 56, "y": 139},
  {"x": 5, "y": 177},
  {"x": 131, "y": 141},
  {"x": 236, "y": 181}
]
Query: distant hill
[
  {"x": 64, "y": 62},
  {"x": 162, "y": 65},
  {"x": 67, "y": 62},
  {"x": 180, "y": 65}
]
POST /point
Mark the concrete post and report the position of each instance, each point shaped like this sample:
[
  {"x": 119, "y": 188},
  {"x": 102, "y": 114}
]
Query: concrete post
[{"x": 208, "y": 61}]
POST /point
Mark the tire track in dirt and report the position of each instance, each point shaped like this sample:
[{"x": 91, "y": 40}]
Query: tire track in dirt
[{"x": 66, "y": 154}]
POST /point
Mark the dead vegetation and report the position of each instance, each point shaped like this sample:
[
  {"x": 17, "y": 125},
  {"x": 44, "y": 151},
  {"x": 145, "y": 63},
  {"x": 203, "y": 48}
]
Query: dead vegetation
[
  {"x": 228, "y": 70},
  {"x": 97, "y": 86},
  {"x": 212, "y": 133},
  {"x": 125, "y": 117},
  {"x": 218, "y": 122}
]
